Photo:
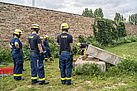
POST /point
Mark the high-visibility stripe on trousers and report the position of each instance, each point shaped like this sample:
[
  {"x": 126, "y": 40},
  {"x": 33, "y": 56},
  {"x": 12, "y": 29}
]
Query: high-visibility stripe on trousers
[
  {"x": 37, "y": 68},
  {"x": 65, "y": 65},
  {"x": 18, "y": 64},
  {"x": 66, "y": 79},
  {"x": 47, "y": 54}
]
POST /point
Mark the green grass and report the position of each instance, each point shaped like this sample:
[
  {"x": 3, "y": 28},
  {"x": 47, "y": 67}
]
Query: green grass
[
  {"x": 79, "y": 82},
  {"x": 124, "y": 49}
]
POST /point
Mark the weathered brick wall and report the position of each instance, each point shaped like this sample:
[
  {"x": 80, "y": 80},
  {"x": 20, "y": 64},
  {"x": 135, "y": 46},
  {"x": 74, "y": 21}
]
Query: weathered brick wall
[
  {"x": 22, "y": 17},
  {"x": 131, "y": 29}
]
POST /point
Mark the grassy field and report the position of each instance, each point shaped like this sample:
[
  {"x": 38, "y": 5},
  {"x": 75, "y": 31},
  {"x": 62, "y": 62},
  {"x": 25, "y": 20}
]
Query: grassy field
[
  {"x": 79, "y": 82},
  {"x": 125, "y": 49}
]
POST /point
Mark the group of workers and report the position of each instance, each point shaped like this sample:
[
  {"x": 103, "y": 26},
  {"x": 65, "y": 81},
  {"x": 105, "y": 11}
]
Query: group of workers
[{"x": 39, "y": 50}]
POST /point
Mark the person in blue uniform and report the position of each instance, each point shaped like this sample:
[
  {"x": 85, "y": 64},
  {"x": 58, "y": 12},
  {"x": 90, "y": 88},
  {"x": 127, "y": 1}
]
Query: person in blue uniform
[
  {"x": 36, "y": 57},
  {"x": 43, "y": 47},
  {"x": 17, "y": 54},
  {"x": 64, "y": 42},
  {"x": 46, "y": 44},
  {"x": 83, "y": 47}
]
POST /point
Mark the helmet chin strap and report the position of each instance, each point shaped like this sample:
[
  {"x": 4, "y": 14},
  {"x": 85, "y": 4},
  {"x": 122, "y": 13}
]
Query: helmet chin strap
[
  {"x": 18, "y": 35},
  {"x": 37, "y": 30}
]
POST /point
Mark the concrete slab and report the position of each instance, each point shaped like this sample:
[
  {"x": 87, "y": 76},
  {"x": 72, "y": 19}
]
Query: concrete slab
[
  {"x": 103, "y": 55},
  {"x": 100, "y": 64}
]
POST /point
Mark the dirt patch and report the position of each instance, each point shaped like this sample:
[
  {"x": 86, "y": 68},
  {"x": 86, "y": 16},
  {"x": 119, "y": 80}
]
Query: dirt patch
[
  {"x": 29, "y": 86},
  {"x": 89, "y": 83}
]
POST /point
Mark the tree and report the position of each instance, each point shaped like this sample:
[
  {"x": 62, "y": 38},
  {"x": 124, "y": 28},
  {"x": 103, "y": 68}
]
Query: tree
[
  {"x": 119, "y": 17},
  {"x": 105, "y": 31},
  {"x": 87, "y": 13},
  {"x": 98, "y": 13},
  {"x": 133, "y": 19},
  {"x": 91, "y": 13}
]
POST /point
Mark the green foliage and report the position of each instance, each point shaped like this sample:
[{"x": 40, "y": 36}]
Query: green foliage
[
  {"x": 114, "y": 33},
  {"x": 92, "y": 40},
  {"x": 89, "y": 13},
  {"x": 89, "y": 40},
  {"x": 26, "y": 52},
  {"x": 75, "y": 48},
  {"x": 126, "y": 39},
  {"x": 88, "y": 69},
  {"x": 53, "y": 48},
  {"x": 5, "y": 55},
  {"x": 126, "y": 66},
  {"x": 119, "y": 17},
  {"x": 98, "y": 13},
  {"x": 133, "y": 19},
  {"x": 81, "y": 39},
  {"x": 105, "y": 31},
  {"x": 121, "y": 30}
]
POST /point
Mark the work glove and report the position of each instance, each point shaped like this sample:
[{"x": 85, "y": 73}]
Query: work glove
[
  {"x": 17, "y": 50},
  {"x": 42, "y": 56},
  {"x": 44, "y": 52}
]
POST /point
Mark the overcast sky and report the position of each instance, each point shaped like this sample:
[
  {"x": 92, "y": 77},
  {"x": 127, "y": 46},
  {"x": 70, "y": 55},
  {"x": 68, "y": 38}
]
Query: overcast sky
[{"x": 109, "y": 7}]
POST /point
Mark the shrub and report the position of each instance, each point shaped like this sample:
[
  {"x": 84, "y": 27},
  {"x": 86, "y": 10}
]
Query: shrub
[
  {"x": 105, "y": 31},
  {"x": 53, "y": 48},
  {"x": 75, "y": 48},
  {"x": 126, "y": 66},
  {"x": 126, "y": 39},
  {"x": 5, "y": 55},
  {"x": 90, "y": 40},
  {"x": 81, "y": 39},
  {"x": 26, "y": 52},
  {"x": 88, "y": 69}
]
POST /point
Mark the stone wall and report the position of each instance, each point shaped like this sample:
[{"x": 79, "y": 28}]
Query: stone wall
[
  {"x": 22, "y": 17},
  {"x": 131, "y": 29}
]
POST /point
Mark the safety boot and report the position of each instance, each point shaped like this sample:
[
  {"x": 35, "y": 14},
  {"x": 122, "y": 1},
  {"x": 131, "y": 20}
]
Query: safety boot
[
  {"x": 69, "y": 83},
  {"x": 35, "y": 82},
  {"x": 46, "y": 82}
]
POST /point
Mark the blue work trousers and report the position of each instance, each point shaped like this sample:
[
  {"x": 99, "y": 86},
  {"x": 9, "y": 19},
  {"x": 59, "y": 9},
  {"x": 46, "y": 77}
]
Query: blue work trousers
[
  {"x": 18, "y": 64},
  {"x": 37, "y": 67},
  {"x": 65, "y": 65},
  {"x": 82, "y": 52},
  {"x": 47, "y": 54},
  {"x": 22, "y": 56}
]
